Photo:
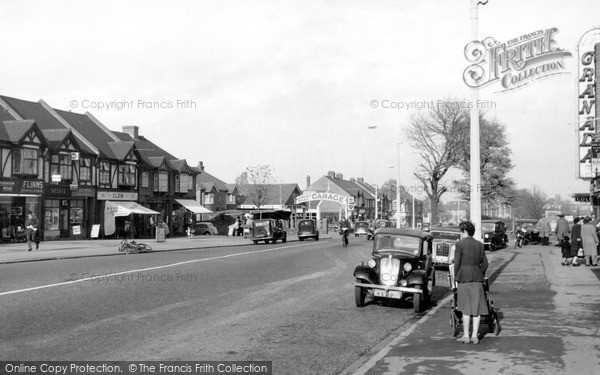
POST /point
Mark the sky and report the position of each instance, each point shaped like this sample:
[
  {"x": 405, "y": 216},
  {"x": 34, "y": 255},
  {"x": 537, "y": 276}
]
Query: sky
[{"x": 303, "y": 86}]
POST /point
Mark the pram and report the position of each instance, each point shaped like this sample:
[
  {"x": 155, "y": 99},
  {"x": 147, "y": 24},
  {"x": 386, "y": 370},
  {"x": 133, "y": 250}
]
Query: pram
[{"x": 491, "y": 319}]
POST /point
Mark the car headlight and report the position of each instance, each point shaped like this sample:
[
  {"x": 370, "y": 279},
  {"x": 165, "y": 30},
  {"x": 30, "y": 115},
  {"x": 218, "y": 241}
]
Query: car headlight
[
  {"x": 403, "y": 282},
  {"x": 407, "y": 267},
  {"x": 486, "y": 236},
  {"x": 371, "y": 263}
]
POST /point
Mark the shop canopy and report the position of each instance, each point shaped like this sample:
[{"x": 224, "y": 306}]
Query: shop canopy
[
  {"x": 125, "y": 208},
  {"x": 193, "y": 206}
]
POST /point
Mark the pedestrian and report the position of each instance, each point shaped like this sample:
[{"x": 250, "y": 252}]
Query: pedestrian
[
  {"x": 589, "y": 238},
  {"x": 562, "y": 228},
  {"x": 470, "y": 265},
  {"x": 31, "y": 226},
  {"x": 576, "y": 243},
  {"x": 566, "y": 250},
  {"x": 545, "y": 230}
]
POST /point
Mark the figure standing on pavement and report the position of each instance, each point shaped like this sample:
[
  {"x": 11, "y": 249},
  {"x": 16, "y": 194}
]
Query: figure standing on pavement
[
  {"x": 576, "y": 243},
  {"x": 470, "y": 265},
  {"x": 562, "y": 229},
  {"x": 545, "y": 230},
  {"x": 31, "y": 227},
  {"x": 589, "y": 238}
]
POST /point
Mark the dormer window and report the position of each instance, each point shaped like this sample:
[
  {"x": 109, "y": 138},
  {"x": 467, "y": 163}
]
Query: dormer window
[
  {"x": 25, "y": 161},
  {"x": 61, "y": 165}
]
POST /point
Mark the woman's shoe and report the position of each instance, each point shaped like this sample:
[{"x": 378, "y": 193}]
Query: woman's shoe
[
  {"x": 464, "y": 340},
  {"x": 475, "y": 340}
]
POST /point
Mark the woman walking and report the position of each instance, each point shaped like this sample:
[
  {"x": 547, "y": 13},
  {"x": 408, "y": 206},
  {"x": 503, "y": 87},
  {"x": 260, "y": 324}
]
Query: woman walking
[
  {"x": 470, "y": 265},
  {"x": 589, "y": 238}
]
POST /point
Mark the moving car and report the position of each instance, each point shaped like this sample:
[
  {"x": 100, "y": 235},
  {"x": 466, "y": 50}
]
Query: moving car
[
  {"x": 444, "y": 245},
  {"x": 379, "y": 223},
  {"x": 307, "y": 228},
  {"x": 205, "y": 229},
  {"x": 361, "y": 228},
  {"x": 493, "y": 234},
  {"x": 267, "y": 230},
  {"x": 401, "y": 267}
]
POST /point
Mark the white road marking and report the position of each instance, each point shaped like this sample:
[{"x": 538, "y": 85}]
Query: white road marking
[{"x": 146, "y": 269}]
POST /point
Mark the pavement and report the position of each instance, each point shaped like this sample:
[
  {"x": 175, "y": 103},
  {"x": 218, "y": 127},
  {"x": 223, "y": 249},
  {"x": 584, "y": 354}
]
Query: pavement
[{"x": 549, "y": 314}]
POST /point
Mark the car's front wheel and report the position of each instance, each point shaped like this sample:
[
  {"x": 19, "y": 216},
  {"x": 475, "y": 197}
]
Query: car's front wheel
[
  {"x": 360, "y": 294},
  {"x": 284, "y": 239}
]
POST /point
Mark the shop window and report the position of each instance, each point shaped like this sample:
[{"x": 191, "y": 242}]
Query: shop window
[
  {"x": 25, "y": 161},
  {"x": 52, "y": 214},
  {"x": 61, "y": 165},
  {"x": 76, "y": 214}
]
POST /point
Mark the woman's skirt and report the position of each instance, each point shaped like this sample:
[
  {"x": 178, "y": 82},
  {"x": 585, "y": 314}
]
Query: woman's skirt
[{"x": 471, "y": 299}]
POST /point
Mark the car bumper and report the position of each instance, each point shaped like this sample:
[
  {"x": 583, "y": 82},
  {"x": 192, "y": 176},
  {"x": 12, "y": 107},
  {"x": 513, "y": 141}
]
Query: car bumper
[{"x": 402, "y": 289}]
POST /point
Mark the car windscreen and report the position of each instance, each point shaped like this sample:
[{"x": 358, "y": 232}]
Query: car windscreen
[
  {"x": 488, "y": 226},
  {"x": 264, "y": 224},
  {"x": 362, "y": 225},
  {"x": 404, "y": 244},
  {"x": 445, "y": 236},
  {"x": 384, "y": 224}
]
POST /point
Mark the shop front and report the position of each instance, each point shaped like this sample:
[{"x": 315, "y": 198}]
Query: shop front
[
  {"x": 17, "y": 196},
  {"x": 65, "y": 215}
]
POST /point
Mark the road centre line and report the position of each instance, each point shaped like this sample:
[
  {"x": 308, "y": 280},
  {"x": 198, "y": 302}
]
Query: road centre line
[{"x": 147, "y": 269}]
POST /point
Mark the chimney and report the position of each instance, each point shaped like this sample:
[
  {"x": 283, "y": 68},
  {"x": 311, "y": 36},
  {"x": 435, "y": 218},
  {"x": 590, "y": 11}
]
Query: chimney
[
  {"x": 339, "y": 176},
  {"x": 351, "y": 179},
  {"x": 360, "y": 179},
  {"x": 307, "y": 181},
  {"x": 331, "y": 174},
  {"x": 132, "y": 130},
  {"x": 201, "y": 166}
]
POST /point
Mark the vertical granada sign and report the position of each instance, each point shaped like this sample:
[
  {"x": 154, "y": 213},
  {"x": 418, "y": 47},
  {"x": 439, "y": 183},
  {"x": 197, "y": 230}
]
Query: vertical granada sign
[{"x": 587, "y": 52}]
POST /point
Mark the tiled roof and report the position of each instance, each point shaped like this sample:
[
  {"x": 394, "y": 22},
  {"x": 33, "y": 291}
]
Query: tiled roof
[
  {"x": 120, "y": 149},
  {"x": 55, "y": 137},
  {"x": 91, "y": 131},
  {"x": 13, "y": 131},
  {"x": 205, "y": 177},
  {"x": 32, "y": 110},
  {"x": 275, "y": 193}
]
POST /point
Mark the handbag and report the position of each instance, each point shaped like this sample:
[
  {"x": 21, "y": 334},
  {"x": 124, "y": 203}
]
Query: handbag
[{"x": 580, "y": 253}]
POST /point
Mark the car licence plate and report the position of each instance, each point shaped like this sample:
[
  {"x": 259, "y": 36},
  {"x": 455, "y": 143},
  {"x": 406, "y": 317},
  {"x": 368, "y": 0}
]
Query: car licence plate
[{"x": 387, "y": 294}]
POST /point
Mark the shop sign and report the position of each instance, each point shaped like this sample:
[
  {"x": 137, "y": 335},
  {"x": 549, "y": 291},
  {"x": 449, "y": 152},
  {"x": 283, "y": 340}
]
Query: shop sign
[
  {"x": 583, "y": 198},
  {"x": 84, "y": 192},
  {"x": 8, "y": 187},
  {"x": 586, "y": 100},
  {"x": 341, "y": 199},
  {"x": 32, "y": 187},
  {"x": 117, "y": 196},
  {"x": 514, "y": 63},
  {"x": 57, "y": 190}
]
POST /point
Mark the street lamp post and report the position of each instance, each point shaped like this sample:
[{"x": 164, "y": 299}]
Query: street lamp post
[
  {"x": 398, "y": 186},
  {"x": 375, "y": 202},
  {"x": 474, "y": 132}
]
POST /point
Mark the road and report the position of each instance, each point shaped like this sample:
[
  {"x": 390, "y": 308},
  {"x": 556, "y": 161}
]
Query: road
[{"x": 292, "y": 304}]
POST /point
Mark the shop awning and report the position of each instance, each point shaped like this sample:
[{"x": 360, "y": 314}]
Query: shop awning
[
  {"x": 193, "y": 206},
  {"x": 125, "y": 208}
]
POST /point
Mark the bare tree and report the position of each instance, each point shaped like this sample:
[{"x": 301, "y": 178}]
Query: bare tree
[
  {"x": 529, "y": 204},
  {"x": 257, "y": 178},
  {"x": 438, "y": 134}
]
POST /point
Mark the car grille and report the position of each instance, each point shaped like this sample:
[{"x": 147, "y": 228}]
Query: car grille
[
  {"x": 389, "y": 271},
  {"x": 442, "y": 249}
]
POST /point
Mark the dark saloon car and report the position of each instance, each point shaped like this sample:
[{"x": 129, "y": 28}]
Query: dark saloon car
[
  {"x": 401, "y": 267},
  {"x": 267, "y": 230},
  {"x": 493, "y": 233},
  {"x": 361, "y": 228},
  {"x": 307, "y": 228},
  {"x": 379, "y": 223},
  {"x": 444, "y": 245},
  {"x": 204, "y": 229}
]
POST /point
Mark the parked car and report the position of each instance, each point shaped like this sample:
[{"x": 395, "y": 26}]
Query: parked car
[
  {"x": 267, "y": 230},
  {"x": 205, "y": 229},
  {"x": 401, "y": 267},
  {"x": 444, "y": 246},
  {"x": 378, "y": 223},
  {"x": 307, "y": 228},
  {"x": 361, "y": 228},
  {"x": 493, "y": 234}
]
